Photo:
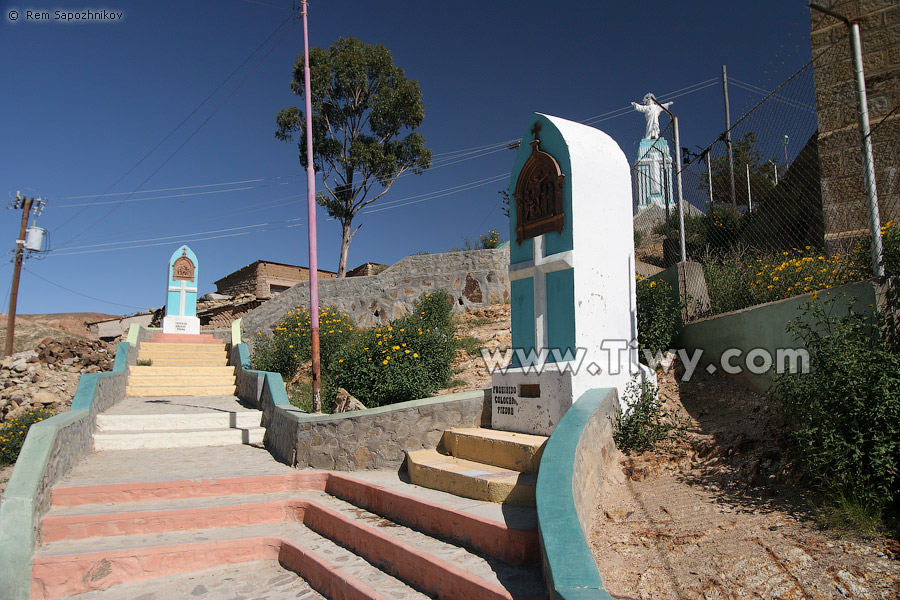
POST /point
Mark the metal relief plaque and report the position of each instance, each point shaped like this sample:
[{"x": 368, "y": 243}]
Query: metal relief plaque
[
  {"x": 183, "y": 268},
  {"x": 538, "y": 194}
]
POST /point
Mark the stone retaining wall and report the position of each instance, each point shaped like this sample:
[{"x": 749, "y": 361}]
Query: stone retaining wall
[
  {"x": 473, "y": 278},
  {"x": 375, "y": 438}
]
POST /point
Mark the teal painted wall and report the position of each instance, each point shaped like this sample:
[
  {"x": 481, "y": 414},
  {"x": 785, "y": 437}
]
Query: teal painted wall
[
  {"x": 561, "y": 311},
  {"x": 521, "y": 292}
]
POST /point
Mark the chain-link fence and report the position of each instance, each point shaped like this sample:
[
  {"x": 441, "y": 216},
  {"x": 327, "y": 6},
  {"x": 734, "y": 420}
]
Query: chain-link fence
[{"x": 784, "y": 212}]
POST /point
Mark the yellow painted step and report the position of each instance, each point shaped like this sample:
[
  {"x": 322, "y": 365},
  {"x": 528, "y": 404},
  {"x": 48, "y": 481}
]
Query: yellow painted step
[
  {"x": 470, "y": 479},
  {"x": 180, "y": 380},
  {"x": 158, "y": 371},
  {"x": 180, "y": 390},
  {"x": 168, "y": 347},
  {"x": 507, "y": 449},
  {"x": 185, "y": 361}
]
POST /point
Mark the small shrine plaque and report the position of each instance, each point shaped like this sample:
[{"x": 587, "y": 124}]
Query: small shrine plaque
[
  {"x": 183, "y": 268},
  {"x": 539, "y": 190}
]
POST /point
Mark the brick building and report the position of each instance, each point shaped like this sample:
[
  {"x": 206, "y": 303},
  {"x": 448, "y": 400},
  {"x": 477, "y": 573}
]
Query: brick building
[
  {"x": 840, "y": 154},
  {"x": 265, "y": 279}
]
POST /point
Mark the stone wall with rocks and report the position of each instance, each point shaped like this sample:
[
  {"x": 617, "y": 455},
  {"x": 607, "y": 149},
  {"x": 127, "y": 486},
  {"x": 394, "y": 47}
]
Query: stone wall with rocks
[
  {"x": 472, "y": 278},
  {"x": 48, "y": 376},
  {"x": 375, "y": 438}
]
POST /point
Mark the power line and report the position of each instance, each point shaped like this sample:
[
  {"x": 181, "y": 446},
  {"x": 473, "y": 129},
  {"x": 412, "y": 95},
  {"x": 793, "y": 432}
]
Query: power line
[
  {"x": 199, "y": 127},
  {"x": 183, "y": 187},
  {"x": 80, "y": 294}
]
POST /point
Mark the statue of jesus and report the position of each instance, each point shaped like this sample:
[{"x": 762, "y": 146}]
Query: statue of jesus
[{"x": 651, "y": 110}]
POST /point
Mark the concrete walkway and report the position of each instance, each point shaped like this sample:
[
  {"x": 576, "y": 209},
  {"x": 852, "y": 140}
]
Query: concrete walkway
[{"x": 164, "y": 508}]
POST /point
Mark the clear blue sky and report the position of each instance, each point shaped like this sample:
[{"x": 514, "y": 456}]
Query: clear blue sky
[{"x": 83, "y": 103}]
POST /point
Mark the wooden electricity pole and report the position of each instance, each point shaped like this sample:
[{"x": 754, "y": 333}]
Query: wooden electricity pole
[{"x": 14, "y": 292}]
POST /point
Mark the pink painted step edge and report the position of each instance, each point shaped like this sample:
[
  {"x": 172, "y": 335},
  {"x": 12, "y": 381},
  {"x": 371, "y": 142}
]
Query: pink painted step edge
[{"x": 59, "y": 576}]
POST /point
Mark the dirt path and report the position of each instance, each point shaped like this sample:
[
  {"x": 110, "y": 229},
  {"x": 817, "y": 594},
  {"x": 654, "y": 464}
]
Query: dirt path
[{"x": 713, "y": 516}]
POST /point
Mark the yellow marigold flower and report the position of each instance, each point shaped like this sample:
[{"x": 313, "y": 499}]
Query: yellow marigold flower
[
  {"x": 406, "y": 351},
  {"x": 415, "y": 355}
]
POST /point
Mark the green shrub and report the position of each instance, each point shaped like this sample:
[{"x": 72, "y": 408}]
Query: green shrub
[
  {"x": 658, "y": 316},
  {"x": 844, "y": 414},
  {"x": 408, "y": 358},
  {"x": 290, "y": 344},
  {"x": 644, "y": 424},
  {"x": 728, "y": 285},
  {"x": 13, "y": 432}
]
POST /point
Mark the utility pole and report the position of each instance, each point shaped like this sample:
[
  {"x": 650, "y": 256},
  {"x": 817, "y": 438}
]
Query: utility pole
[
  {"x": 311, "y": 220},
  {"x": 25, "y": 205},
  {"x": 728, "y": 136}
]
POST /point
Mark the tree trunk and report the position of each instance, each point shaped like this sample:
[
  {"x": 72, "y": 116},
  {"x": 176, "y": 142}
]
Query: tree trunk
[{"x": 345, "y": 248}]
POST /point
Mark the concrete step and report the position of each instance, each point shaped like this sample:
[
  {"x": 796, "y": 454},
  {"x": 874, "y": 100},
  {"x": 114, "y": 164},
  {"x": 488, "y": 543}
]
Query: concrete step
[
  {"x": 186, "y": 361},
  {"x": 176, "y": 438},
  {"x": 163, "y": 371},
  {"x": 144, "y": 391},
  {"x": 186, "y": 379},
  {"x": 186, "y": 421},
  {"x": 423, "y": 559},
  {"x": 470, "y": 479},
  {"x": 217, "y": 583},
  {"x": 507, "y": 449},
  {"x": 184, "y": 338},
  {"x": 152, "y": 354},
  {"x": 70, "y": 567},
  {"x": 184, "y": 347},
  {"x": 152, "y": 530}
]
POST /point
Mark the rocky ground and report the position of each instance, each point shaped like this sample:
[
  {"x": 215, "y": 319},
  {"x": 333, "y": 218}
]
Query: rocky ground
[
  {"x": 490, "y": 326},
  {"x": 719, "y": 513},
  {"x": 47, "y": 377}
]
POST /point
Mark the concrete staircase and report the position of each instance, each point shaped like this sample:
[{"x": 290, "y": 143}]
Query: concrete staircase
[
  {"x": 183, "y": 399},
  {"x": 181, "y": 365},
  {"x": 346, "y": 537},
  {"x": 479, "y": 463}
]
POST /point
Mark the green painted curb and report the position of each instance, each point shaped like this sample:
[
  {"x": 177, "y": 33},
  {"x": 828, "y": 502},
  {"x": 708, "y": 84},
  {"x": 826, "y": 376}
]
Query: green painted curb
[
  {"x": 18, "y": 510},
  {"x": 569, "y": 567}
]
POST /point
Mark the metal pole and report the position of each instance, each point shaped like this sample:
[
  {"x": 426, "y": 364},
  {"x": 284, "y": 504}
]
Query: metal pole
[
  {"x": 866, "y": 140},
  {"x": 14, "y": 291},
  {"x": 311, "y": 217},
  {"x": 868, "y": 158},
  {"x": 678, "y": 186},
  {"x": 728, "y": 136},
  {"x": 709, "y": 176},
  {"x": 749, "y": 197}
]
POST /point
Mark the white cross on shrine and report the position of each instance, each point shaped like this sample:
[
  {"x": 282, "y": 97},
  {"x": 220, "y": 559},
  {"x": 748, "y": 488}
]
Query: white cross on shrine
[
  {"x": 182, "y": 290},
  {"x": 538, "y": 268}
]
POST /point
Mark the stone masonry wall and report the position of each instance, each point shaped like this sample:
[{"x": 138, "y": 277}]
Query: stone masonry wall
[
  {"x": 840, "y": 154},
  {"x": 473, "y": 278},
  {"x": 376, "y": 438}
]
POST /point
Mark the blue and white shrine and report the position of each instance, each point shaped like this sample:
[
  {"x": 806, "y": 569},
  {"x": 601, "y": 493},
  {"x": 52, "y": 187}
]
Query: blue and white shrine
[
  {"x": 572, "y": 283},
  {"x": 181, "y": 298},
  {"x": 653, "y": 175}
]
